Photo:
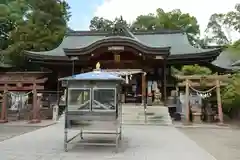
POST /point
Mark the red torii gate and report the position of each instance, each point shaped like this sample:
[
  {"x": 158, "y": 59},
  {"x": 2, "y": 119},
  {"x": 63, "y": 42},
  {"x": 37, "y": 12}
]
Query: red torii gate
[{"x": 21, "y": 81}]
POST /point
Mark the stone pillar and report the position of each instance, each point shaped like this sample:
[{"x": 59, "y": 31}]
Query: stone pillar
[
  {"x": 219, "y": 102},
  {"x": 36, "y": 109},
  {"x": 187, "y": 101}
]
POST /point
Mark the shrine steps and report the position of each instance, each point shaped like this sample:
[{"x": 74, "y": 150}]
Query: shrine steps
[{"x": 154, "y": 115}]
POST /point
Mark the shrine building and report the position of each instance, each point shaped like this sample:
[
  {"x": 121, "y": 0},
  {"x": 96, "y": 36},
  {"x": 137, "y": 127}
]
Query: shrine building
[{"x": 143, "y": 58}]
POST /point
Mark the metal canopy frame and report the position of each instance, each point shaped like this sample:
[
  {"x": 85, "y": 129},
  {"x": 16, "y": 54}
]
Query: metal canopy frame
[{"x": 94, "y": 116}]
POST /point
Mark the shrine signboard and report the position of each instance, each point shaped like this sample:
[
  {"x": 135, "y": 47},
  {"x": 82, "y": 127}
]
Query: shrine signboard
[{"x": 116, "y": 48}]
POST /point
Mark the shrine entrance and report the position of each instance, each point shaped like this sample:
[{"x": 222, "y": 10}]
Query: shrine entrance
[
  {"x": 132, "y": 63},
  {"x": 19, "y": 91},
  {"x": 134, "y": 89},
  {"x": 17, "y": 105}
]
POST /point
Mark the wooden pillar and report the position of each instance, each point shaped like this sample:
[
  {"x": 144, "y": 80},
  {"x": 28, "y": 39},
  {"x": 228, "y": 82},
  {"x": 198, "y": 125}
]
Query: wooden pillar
[
  {"x": 144, "y": 88},
  {"x": 164, "y": 83},
  {"x": 4, "y": 117},
  {"x": 219, "y": 102},
  {"x": 162, "y": 86},
  {"x": 58, "y": 86},
  {"x": 177, "y": 95},
  {"x": 187, "y": 107},
  {"x": 35, "y": 111}
]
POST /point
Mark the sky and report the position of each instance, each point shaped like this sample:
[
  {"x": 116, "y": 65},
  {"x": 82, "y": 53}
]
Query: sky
[{"x": 83, "y": 11}]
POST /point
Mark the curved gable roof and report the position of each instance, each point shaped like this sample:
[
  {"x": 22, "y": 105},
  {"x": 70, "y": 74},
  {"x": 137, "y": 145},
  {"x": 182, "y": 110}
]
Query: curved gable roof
[
  {"x": 118, "y": 40},
  {"x": 180, "y": 46}
]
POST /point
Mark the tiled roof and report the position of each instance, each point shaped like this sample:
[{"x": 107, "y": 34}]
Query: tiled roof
[{"x": 177, "y": 41}]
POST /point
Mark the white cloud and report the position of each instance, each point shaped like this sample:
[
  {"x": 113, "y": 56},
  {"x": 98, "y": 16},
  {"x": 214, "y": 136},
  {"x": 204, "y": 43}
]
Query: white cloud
[{"x": 130, "y": 9}]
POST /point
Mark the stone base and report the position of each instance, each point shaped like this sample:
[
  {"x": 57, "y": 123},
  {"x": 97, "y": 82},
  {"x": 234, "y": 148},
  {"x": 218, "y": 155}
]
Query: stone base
[
  {"x": 157, "y": 103},
  {"x": 35, "y": 121},
  {"x": 221, "y": 124},
  {"x": 3, "y": 121},
  {"x": 197, "y": 117},
  {"x": 187, "y": 123}
]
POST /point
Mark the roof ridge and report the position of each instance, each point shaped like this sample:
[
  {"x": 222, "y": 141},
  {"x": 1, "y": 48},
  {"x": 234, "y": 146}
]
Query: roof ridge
[{"x": 105, "y": 33}]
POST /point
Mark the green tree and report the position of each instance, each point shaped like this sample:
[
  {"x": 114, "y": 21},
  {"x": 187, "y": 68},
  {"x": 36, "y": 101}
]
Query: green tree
[
  {"x": 221, "y": 25},
  {"x": 42, "y": 28},
  {"x": 173, "y": 20},
  {"x": 231, "y": 95},
  {"x": 145, "y": 23},
  {"x": 192, "y": 70},
  {"x": 11, "y": 14},
  {"x": 102, "y": 24},
  {"x": 219, "y": 31}
]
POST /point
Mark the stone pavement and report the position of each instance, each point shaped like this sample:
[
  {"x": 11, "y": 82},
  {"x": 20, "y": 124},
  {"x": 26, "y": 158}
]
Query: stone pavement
[
  {"x": 139, "y": 143},
  {"x": 224, "y": 144},
  {"x": 7, "y": 132},
  {"x": 23, "y": 123}
]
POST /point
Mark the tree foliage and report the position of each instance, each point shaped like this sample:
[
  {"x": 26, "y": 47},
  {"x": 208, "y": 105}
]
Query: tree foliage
[
  {"x": 102, "y": 24},
  {"x": 221, "y": 25},
  {"x": 234, "y": 49},
  {"x": 218, "y": 31},
  {"x": 11, "y": 14},
  {"x": 231, "y": 93},
  {"x": 173, "y": 20},
  {"x": 192, "y": 70},
  {"x": 35, "y": 25}
]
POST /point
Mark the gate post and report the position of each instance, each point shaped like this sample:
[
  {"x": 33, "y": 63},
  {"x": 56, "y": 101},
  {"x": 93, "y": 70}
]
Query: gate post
[
  {"x": 36, "y": 109},
  {"x": 4, "y": 117}
]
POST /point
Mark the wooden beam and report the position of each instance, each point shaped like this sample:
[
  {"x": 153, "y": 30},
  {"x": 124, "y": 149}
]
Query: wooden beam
[
  {"x": 165, "y": 83},
  {"x": 144, "y": 87},
  {"x": 26, "y": 73},
  {"x": 198, "y": 77},
  {"x": 25, "y": 88},
  {"x": 197, "y": 84},
  {"x": 24, "y": 81}
]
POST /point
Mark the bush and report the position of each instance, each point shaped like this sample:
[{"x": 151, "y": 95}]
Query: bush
[
  {"x": 231, "y": 94},
  {"x": 195, "y": 70}
]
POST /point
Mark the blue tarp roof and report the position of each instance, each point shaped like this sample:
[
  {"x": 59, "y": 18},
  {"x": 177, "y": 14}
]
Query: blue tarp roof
[{"x": 95, "y": 75}]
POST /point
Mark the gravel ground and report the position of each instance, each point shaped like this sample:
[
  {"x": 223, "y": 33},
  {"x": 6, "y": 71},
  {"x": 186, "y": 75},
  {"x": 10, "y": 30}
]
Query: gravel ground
[
  {"x": 223, "y": 144},
  {"x": 7, "y": 132}
]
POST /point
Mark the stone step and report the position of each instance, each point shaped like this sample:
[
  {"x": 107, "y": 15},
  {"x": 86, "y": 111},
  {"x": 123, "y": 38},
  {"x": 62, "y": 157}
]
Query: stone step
[
  {"x": 147, "y": 122},
  {"x": 143, "y": 119},
  {"x": 155, "y": 115},
  {"x": 142, "y": 122},
  {"x": 149, "y": 117}
]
